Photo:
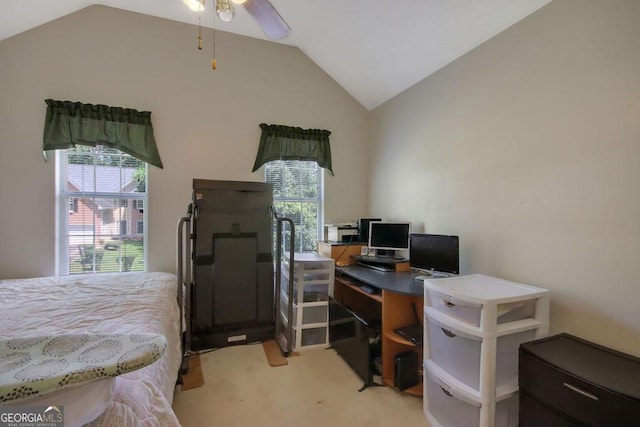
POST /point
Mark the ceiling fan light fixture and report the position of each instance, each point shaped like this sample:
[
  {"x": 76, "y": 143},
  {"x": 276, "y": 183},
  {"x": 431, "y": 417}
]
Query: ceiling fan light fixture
[
  {"x": 225, "y": 10},
  {"x": 195, "y": 5},
  {"x": 238, "y": 1}
]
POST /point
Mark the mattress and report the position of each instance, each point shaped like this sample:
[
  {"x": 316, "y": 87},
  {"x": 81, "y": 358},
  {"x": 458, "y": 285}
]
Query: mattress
[{"x": 122, "y": 303}]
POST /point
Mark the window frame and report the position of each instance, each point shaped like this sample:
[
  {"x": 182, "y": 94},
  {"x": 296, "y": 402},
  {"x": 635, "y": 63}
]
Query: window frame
[
  {"x": 320, "y": 199},
  {"x": 62, "y": 214}
]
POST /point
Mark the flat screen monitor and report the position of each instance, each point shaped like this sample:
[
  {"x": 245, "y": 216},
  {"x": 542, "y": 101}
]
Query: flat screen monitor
[
  {"x": 363, "y": 228},
  {"x": 435, "y": 252},
  {"x": 389, "y": 236}
]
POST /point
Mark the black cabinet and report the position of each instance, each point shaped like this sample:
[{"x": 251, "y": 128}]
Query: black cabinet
[{"x": 568, "y": 381}]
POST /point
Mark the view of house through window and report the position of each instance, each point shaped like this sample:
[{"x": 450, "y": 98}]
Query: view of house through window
[
  {"x": 297, "y": 194},
  {"x": 101, "y": 194}
]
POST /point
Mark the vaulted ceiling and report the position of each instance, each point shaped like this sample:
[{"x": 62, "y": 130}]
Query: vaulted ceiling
[{"x": 374, "y": 49}]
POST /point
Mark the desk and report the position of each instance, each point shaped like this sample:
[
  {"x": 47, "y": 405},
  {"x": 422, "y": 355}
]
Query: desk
[{"x": 391, "y": 307}]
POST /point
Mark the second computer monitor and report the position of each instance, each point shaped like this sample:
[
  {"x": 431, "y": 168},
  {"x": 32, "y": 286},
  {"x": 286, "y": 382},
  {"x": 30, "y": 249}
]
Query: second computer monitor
[
  {"x": 363, "y": 228},
  {"x": 388, "y": 237},
  {"x": 435, "y": 252}
]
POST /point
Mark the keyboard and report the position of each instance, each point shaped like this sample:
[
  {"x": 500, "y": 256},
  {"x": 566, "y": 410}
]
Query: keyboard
[
  {"x": 368, "y": 289},
  {"x": 378, "y": 259},
  {"x": 377, "y": 267},
  {"x": 434, "y": 275}
]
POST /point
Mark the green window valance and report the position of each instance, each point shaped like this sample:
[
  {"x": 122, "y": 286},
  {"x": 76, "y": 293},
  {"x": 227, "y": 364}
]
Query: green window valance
[
  {"x": 293, "y": 143},
  {"x": 69, "y": 123}
]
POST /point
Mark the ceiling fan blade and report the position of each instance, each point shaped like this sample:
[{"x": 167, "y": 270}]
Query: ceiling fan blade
[{"x": 268, "y": 18}]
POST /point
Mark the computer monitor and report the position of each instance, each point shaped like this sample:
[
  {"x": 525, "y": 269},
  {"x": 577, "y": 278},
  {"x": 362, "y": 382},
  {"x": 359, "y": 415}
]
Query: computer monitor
[
  {"x": 363, "y": 228},
  {"x": 388, "y": 237},
  {"x": 435, "y": 252}
]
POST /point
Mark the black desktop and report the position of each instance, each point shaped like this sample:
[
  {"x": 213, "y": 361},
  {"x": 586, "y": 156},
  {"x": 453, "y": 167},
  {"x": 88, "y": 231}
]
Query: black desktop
[{"x": 406, "y": 370}]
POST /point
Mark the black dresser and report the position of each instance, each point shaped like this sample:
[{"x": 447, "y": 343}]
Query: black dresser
[{"x": 568, "y": 381}]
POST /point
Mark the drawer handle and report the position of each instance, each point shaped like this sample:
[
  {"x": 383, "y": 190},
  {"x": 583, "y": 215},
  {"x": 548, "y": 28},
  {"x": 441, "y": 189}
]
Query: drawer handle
[
  {"x": 580, "y": 391},
  {"x": 445, "y": 391},
  {"x": 448, "y": 333},
  {"x": 449, "y": 304}
]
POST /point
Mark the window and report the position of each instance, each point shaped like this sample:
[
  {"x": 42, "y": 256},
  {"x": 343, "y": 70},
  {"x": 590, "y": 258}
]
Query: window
[
  {"x": 73, "y": 205},
  {"x": 297, "y": 194},
  {"x": 97, "y": 228}
]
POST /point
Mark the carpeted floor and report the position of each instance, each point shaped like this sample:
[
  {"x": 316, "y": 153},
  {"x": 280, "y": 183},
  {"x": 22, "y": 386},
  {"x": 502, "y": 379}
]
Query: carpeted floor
[{"x": 315, "y": 388}]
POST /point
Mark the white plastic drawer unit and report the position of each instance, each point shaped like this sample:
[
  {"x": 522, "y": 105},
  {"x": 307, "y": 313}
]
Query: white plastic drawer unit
[
  {"x": 459, "y": 353},
  {"x": 445, "y": 406}
]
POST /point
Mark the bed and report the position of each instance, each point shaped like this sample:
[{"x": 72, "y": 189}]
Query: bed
[{"x": 124, "y": 303}]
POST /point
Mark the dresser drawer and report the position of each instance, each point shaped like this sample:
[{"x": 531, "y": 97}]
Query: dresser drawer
[
  {"x": 534, "y": 414},
  {"x": 587, "y": 403}
]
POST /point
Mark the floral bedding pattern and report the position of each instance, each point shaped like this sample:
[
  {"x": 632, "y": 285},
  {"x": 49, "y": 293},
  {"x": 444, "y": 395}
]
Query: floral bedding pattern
[
  {"x": 34, "y": 366},
  {"x": 121, "y": 303}
]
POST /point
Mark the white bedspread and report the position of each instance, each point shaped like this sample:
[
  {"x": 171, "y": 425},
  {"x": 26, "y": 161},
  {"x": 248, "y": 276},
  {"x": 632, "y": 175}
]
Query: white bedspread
[{"x": 106, "y": 303}]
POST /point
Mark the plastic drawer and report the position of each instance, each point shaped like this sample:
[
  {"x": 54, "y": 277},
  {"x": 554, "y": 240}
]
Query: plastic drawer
[
  {"x": 315, "y": 293},
  {"x": 470, "y": 312},
  {"x": 312, "y": 336},
  {"x": 450, "y": 408},
  {"x": 321, "y": 275},
  {"x": 310, "y": 314},
  {"x": 314, "y": 314},
  {"x": 459, "y": 353}
]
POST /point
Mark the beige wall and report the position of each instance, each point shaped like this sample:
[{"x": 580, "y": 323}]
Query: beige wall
[
  {"x": 206, "y": 123},
  {"x": 528, "y": 148}
]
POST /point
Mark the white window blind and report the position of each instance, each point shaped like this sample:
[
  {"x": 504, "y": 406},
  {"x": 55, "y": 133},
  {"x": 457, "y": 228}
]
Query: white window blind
[
  {"x": 100, "y": 223},
  {"x": 297, "y": 194}
]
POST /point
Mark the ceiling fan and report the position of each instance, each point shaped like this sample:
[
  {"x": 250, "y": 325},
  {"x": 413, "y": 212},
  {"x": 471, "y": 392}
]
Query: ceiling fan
[{"x": 262, "y": 11}]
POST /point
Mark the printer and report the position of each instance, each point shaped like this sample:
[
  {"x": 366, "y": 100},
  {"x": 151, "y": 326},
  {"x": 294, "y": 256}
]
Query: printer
[{"x": 342, "y": 233}]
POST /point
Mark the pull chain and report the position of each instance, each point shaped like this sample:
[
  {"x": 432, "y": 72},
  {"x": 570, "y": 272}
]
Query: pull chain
[
  {"x": 214, "y": 63},
  {"x": 200, "y": 42}
]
